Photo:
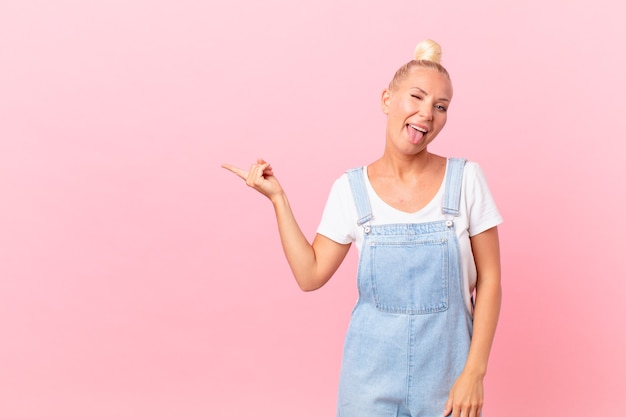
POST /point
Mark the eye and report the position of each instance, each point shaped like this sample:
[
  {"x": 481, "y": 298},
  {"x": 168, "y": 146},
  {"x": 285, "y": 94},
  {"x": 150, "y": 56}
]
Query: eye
[
  {"x": 416, "y": 96},
  {"x": 440, "y": 107}
]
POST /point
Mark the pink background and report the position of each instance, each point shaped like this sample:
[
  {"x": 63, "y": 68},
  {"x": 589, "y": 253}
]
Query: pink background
[{"x": 138, "y": 278}]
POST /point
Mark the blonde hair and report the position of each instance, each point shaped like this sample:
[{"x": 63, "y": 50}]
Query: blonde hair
[{"x": 427, "y": 55}]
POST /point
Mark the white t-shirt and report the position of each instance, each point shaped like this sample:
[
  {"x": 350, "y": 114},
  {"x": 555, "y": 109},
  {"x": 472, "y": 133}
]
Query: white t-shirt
[{"x": 478, "y": 212}]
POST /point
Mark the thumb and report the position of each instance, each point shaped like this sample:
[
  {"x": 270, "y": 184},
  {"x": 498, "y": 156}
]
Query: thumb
[{"x": 448, "y": 409}]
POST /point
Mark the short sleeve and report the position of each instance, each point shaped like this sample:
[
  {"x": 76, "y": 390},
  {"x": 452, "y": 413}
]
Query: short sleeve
[
  {"x": 339, "y": 217},
  {"x": 481, "y": 207}
]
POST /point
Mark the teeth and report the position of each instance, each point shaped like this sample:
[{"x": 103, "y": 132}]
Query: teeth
[{"x": 418, "y": 128}]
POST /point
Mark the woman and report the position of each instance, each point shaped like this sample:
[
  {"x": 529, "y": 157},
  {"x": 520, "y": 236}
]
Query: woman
[{"x": 426, "y": 230}]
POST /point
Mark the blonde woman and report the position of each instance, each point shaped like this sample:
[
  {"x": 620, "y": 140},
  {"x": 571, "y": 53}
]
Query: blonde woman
[{"x": 425, "y": 227}]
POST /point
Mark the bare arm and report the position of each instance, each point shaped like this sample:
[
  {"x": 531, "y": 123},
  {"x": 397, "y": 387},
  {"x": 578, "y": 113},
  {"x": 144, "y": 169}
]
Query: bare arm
[
  {"x": 466, "y": 396},
  {"x": 312, "y": 264}
]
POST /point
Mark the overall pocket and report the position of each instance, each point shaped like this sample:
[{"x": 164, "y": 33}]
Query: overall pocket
[{"x": 410, "y": 276}]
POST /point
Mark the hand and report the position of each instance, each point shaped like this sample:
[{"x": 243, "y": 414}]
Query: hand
[
  {"x": 466, "y": 397},
  {"x": 260, "y": 177}
]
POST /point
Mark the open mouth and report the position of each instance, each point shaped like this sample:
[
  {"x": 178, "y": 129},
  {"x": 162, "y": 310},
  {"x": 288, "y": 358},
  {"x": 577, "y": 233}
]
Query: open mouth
[
  {"x": 419, "y": 129},
  {"x": 416, "y": 133}
]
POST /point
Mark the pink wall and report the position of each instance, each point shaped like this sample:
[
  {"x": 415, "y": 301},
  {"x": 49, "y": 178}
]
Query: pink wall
[{"x": 137, "y": 278}]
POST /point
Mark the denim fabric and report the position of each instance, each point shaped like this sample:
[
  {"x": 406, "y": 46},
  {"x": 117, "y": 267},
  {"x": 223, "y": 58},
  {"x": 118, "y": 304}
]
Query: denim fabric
[{"x": 410, "y": 331}]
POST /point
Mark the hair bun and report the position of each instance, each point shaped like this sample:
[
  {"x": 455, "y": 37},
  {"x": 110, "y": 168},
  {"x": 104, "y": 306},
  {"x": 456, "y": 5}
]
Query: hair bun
[{"x": 428, "y": 50}]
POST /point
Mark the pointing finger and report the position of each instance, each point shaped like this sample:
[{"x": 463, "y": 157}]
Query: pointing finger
[{"x": 237, "y": 171}]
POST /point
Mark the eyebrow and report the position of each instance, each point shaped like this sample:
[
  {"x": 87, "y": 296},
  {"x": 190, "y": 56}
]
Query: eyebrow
[{"x": 425, "y": 93}]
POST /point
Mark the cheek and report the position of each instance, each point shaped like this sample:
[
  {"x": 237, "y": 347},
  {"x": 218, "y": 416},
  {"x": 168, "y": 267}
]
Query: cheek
[
  {"x": 442, "y": 121},
  {"x": 397, "y": 112},
  {"x": 409, "y": 107}
]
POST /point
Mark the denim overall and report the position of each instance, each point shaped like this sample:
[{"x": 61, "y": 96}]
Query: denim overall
[{"x": 410, "y": 331}]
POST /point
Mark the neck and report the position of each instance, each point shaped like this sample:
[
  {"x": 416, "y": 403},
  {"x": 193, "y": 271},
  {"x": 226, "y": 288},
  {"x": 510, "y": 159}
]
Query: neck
[{"x": 400, "y": 165}]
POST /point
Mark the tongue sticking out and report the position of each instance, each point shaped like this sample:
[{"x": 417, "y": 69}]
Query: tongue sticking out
[{"x": 414, "y": 135}]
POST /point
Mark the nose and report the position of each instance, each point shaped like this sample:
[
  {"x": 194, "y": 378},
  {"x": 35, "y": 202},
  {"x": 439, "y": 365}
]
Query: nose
[{"x": 426, "y": 110}]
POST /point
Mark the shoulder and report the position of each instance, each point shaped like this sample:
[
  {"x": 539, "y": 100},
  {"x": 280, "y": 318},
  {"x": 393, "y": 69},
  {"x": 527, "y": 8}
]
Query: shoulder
[
  {"x": 352, "y": 175},
  {"x": 474, "y": 180},
  {"x": 471, "y": 169},
  {"x": 341, "y": 188},
  {"x": 479, "y": 203},
  {"x": 474, "y": 173}
]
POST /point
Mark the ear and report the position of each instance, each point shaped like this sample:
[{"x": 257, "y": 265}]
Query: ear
[{"x": 385, "y": 101}]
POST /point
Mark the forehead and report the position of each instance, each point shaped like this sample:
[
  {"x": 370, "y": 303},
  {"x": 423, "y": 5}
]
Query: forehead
[{"x": 428, "y": 80}]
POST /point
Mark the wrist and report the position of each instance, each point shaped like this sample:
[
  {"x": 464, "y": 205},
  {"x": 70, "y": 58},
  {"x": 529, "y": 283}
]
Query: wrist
[
  {"x": 278, "y": 198},
  {"x": 475, "y": 371}
]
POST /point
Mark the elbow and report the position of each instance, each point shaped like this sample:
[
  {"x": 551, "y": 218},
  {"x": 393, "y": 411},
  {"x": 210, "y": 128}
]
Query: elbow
[
  {"x": 310, "y": 283},
  {"x": 308, "y": 286}
]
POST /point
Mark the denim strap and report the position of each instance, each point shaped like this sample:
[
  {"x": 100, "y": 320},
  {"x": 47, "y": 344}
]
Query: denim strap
[
  {"x": 454, "y": 181},
  {"x": 359, "y": 193}
]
